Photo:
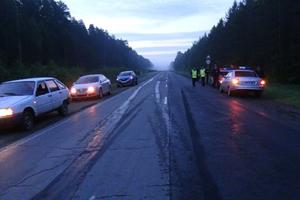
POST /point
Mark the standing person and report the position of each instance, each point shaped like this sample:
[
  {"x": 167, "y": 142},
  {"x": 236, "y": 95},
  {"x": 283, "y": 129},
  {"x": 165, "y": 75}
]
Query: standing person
[
  {"x": 194, "y": 76},
  {"x": 202, "y": 76},
  {"x": 215, "y": 74},
  {"x": 260, "y": 72},
  {"x": 207, "y": 74}
]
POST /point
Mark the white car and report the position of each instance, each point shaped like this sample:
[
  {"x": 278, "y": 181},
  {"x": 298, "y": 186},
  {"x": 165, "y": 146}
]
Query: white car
[
  {"x": 23, "y": 100},
  {"x": 94, "y": 85},
  {"x": 242, "y": 80}
]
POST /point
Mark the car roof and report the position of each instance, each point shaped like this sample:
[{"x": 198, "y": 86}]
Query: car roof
[
  {"x": 90, "y": 75},
  {"x": 126, "y": 72},
  {"x": 244, "y": 70},
  {"x": 30, "y": 79}
]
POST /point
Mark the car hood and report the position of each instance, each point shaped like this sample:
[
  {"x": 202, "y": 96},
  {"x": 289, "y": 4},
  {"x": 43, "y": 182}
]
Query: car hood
[
  {"x": 85, "y": 86},
  {"x": 8, "y": 101}
]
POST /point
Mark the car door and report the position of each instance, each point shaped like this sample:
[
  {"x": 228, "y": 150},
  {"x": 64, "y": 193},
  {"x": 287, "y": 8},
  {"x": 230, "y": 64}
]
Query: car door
[
  {"x": 227, "y": 80},
  {"x": 43, "y": 99},
  {"x": 55, "y": 92},
  {"x": 104, "y": 84},
  {"x": 63, "y": 91}
]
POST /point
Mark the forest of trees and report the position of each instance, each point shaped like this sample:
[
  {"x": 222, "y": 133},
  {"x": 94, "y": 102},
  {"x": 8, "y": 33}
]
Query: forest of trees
[
  {"x": 263, "y": 33},
  {"x": 35, "y": 34}
]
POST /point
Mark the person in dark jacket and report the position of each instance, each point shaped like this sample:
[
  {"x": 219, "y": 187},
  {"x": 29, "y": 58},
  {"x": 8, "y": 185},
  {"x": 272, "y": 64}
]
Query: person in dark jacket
[
  {"x": 260, "y": 72},
  {"x": 215, "y": 75}
]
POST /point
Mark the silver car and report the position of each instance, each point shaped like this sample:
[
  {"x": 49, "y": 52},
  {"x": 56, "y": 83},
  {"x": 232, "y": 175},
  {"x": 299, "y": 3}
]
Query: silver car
[
  {"x": 94, "y": 85},
  {"x": 242, "y": 80},
  {"x": 23, "y": 100}
]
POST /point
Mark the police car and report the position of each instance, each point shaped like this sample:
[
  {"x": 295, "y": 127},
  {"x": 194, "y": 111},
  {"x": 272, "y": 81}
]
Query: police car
[{"x": 242, "y": 80}]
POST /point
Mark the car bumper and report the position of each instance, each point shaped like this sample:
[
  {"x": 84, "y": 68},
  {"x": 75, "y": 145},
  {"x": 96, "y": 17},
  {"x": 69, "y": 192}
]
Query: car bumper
[
  {"x": 247, "y": 88},
  {"x": 83, "y": 95},
  {"x": 10, "y": 121},
  {"x": 124, "y": 83}
]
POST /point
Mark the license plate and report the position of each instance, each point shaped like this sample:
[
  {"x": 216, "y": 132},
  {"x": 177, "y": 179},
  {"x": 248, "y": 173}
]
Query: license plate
[{"x": 249, "y": 83}]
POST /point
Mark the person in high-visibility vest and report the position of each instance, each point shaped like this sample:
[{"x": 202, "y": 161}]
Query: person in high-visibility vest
[
  {"x": 194, "y": 76},
  {"x": 202, "y": 76}
]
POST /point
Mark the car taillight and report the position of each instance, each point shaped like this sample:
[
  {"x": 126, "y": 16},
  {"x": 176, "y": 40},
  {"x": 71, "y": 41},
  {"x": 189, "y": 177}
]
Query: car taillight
[
  {"x": 235, "y": 81},
  {"x": 221, "y": 79},
  {"x": 262, "y": 82}
]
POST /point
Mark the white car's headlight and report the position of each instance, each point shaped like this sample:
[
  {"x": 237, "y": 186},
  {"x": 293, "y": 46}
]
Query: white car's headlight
[
  {"x": 91, "y": 90},
  {"x": 6, "y": 112},
  {"x": 73, "y": 90}
]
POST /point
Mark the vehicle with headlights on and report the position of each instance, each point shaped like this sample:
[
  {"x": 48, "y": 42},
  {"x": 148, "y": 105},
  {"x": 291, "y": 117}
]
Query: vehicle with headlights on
[
  {"x": 127, "y": 78},
  {"x": 21, "y": 101},
  {"x": 243, "y": 81},
  {"x": 94, "y": 85}
]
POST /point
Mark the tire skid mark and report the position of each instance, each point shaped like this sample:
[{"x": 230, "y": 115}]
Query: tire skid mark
[
  {"x": 68, "y": 182},
  {"x": 210, "y": 189}
]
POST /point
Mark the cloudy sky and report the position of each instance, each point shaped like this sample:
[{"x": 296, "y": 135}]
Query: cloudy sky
[{"x": 156, "y": 29}]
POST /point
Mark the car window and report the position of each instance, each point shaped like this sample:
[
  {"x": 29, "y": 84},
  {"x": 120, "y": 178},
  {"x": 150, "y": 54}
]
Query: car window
[
  {"x": 17, "y": 88},
  {"x": 228, "y": 75},
  {"x": 245, "y": 74},
  {"x": 42, "y": 89},
  {"x": 52, "y": 85},
  {"x": 125, "y": 73},
  {"x": 60, "y": 84},
  {"x": 87, "y": 79},
  {"x": 102, "y": 78}
]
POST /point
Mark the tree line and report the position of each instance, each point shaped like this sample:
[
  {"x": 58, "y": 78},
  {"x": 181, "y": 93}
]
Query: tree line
[
  {"x": 43, "y": 33},
  {"x": 263, "y": 33}
]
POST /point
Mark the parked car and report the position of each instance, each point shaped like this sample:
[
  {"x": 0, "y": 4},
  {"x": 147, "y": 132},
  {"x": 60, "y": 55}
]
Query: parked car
[
  {"x": 243, "y": 80},
  {"x": 94, "y": 85},
  {"x": 23, "y": 100},
  {"x": 127, "y": 78}
]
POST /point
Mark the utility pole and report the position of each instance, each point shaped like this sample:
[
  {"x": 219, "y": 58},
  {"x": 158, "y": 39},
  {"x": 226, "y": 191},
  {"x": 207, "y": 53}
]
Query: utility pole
[{"x": 20, "y": 50}]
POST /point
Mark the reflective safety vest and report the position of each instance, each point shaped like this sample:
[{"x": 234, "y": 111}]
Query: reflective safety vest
[
  {"x": 202, "y": 73},
  {"x": 194, "y": 73}
]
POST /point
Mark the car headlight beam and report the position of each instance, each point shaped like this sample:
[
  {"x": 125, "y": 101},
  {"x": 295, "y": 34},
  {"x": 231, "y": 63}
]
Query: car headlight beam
[
  {"x": 91, "y": 90},
  {"x": 73, "y": 91},
  {"x": 6, "y": 112}
]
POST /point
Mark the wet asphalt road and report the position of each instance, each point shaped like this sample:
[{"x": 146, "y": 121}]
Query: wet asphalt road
[{"x": 162, "y": 139}]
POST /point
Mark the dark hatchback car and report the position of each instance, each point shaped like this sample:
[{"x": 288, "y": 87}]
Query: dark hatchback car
[{"x": 127, "y": 78}]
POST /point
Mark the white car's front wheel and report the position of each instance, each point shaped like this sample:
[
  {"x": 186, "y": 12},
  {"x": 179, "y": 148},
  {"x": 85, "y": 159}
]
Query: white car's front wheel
[{"x": 27, "y": 120}]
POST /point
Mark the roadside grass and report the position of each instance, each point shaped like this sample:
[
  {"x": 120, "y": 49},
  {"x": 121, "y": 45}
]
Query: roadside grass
[{"x": 287, "y": 94}]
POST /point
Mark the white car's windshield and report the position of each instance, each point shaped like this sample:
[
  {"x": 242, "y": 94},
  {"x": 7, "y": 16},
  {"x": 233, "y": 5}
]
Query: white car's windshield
[
  {"x": 87, "y": 79},
  {"x": 23, "y": 88}
]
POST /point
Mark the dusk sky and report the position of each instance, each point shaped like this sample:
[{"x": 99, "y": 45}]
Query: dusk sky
[{"x": 156, "y": 29}]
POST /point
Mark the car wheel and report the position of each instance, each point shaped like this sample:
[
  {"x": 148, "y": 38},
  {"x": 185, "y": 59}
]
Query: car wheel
[
  {"x": 100, "y": 95},
  {"x": 229, "y": 92},
  {"x": 27, "y": 120},
  {"x": 64, "y": 109},
  {"x": 109, "y": 92},
  {"x": 136, "y": 82}
]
